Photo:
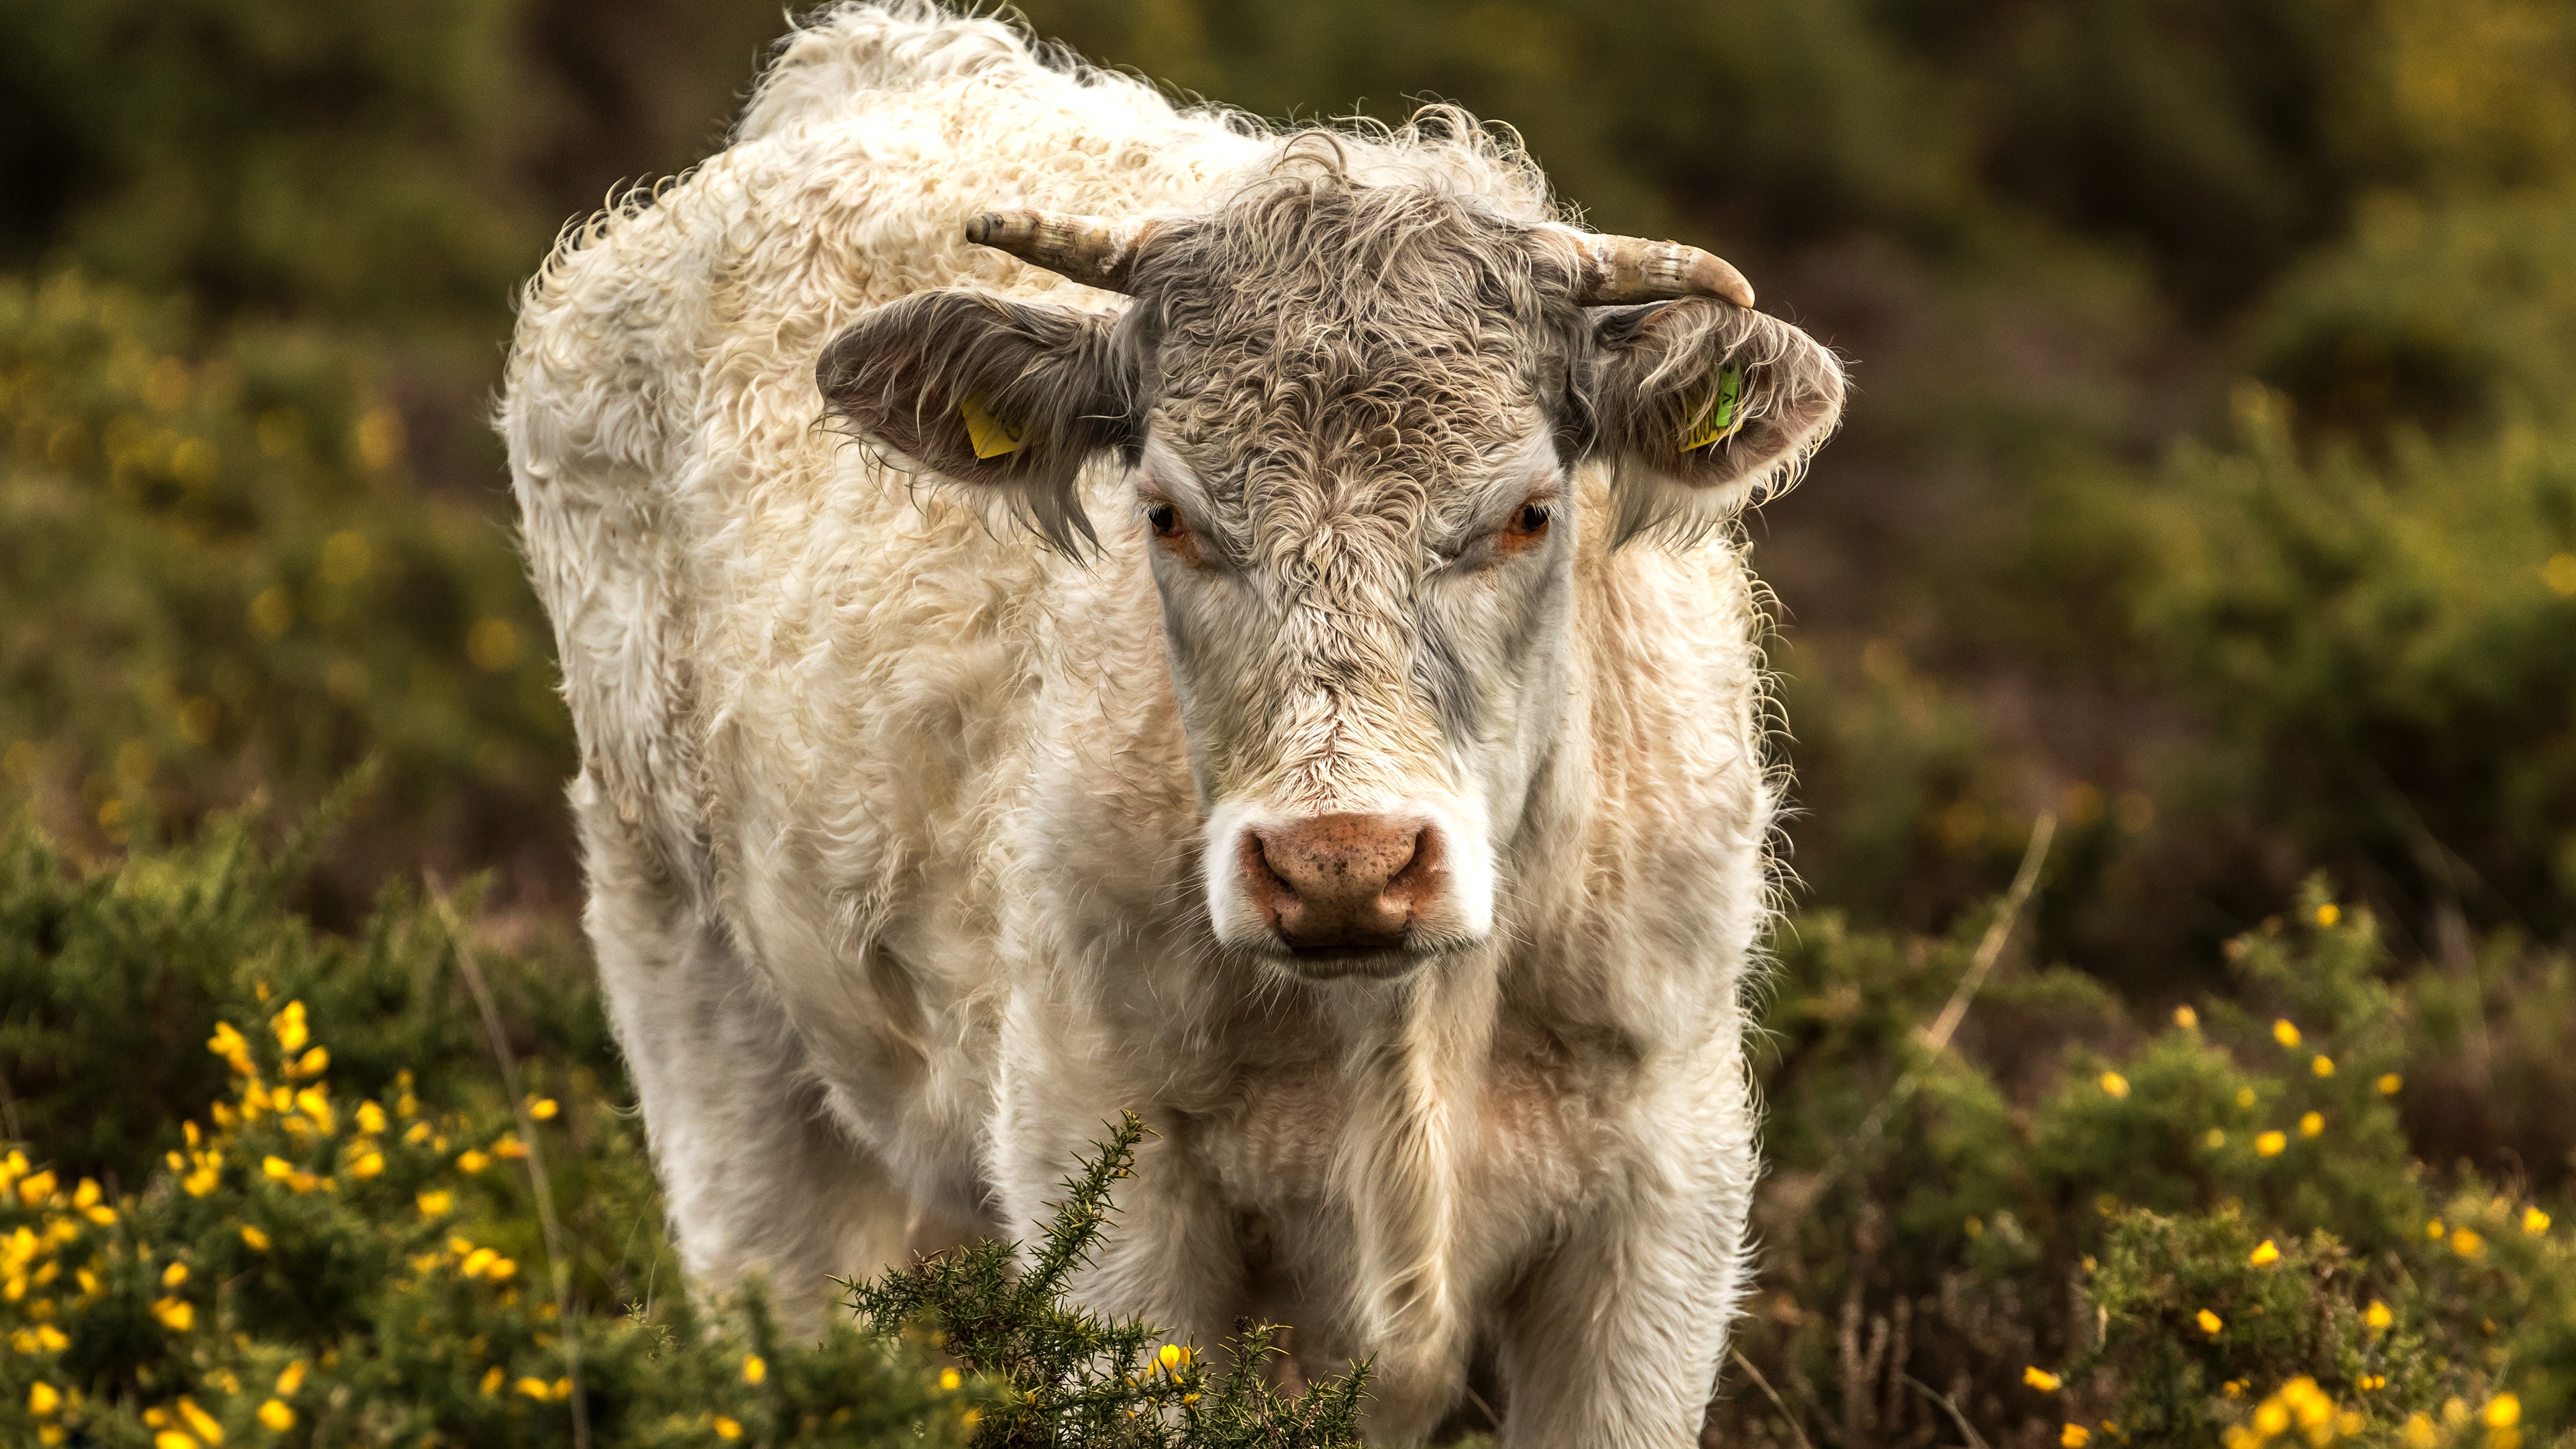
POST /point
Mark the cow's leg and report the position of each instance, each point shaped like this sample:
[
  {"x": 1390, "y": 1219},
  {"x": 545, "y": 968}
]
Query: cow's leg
[
  {"x": 758, "y": 1179},
  {"x": 1615, "y": 1340}
]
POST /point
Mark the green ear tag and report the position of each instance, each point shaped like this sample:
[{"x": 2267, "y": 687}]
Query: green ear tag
[
  {"x": 1718, "y": 421},
  {"x": 991, "y": 436}
]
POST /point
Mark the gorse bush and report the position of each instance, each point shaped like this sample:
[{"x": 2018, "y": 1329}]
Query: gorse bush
[
  {"x": 268, "y": 1187},
  {"x": 1068, "y": 1377},
  {"x": 114, "y": 979},
  {"x": 343, "y": 1245},
  {"x": 2169, "y": 1237}
]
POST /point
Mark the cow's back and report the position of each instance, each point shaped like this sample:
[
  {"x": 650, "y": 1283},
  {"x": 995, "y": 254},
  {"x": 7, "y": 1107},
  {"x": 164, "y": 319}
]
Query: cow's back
[{"x": 694, "y": 533}]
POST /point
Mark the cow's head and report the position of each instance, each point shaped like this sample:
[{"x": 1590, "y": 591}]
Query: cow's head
[{"x": 1350, "y": 414}]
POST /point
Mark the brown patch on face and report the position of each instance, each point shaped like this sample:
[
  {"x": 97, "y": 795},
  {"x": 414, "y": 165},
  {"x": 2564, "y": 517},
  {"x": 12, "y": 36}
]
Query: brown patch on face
[{"x": 1529, "y": 525}]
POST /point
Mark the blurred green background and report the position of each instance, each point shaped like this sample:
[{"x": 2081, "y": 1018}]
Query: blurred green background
[
  {"x": 2209, "y": 481},
  {"x": 2210, "y": 484}
]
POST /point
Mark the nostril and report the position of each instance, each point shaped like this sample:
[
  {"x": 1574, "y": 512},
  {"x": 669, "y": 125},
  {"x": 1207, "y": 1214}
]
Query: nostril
[
  {"x": 1420, "y": 859},
  {"x": 1255, "y": 852}
]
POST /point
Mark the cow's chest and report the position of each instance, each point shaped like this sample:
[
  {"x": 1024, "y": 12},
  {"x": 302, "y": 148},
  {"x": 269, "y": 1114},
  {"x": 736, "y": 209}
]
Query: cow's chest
[{"x": 1519, "y": 1138}]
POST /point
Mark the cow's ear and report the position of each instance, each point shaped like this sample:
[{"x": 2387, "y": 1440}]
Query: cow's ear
[
  {"x": 1702, "y": 407},
  {"x": 1007, "y": 397}
]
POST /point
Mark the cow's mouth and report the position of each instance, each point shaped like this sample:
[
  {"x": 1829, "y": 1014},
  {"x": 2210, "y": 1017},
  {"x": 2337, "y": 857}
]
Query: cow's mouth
[{"x": 1340, "y": 962}]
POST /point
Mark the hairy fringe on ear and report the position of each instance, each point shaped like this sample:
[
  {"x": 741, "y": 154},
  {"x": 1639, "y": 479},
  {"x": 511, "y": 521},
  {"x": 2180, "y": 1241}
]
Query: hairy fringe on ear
[
  {"x": 900, "y": 378},
  {"x": 1659, "y": 375}
]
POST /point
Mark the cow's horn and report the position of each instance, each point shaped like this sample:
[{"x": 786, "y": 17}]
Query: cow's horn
[
  {"x": 1613, "y": 271},
  {"x": 1088, "y": 249}
]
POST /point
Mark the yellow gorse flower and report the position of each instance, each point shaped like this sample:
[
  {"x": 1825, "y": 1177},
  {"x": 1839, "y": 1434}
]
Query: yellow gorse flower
[
  {"x": 2040, "y": 1379},
  {"x": 2115, "y": 1084},
  {"x": 2284, "y": 1033},
  {"x": 2534, "y": 1221},
  {"x": 2377, "y": 1316},
  {"x": 754, "y": 1368},
  {"x": 2323, "y": 1066},
  {"x": 2467, "y": 1243},
  {"x": 289, "y": 1026},
  {"x": 2265, "y": 1254},
  {"x": 2311, "y": 1124},
  {"x": 176, "y": 1314},
  {"x": 233, "y": 1047},
  {"x": 2074, "y": 1436},
  {"x": 2210, "y": 1323},
  {"x": 276, "y": 1417},
  {"x": 201, "y": 1421},
  {"x": 2270, "y": 1144},
  {"x": 2390, "y": 1084}
]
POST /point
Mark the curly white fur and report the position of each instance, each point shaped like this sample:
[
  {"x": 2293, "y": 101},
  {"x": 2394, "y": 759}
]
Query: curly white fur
[{"x": 894, "y": 830}]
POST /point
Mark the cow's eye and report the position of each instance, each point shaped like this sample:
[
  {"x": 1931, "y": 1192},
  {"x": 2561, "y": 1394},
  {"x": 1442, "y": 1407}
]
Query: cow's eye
[
  {"x": 1526, "y": 529},
  {"x": 1165, "y": 520}
]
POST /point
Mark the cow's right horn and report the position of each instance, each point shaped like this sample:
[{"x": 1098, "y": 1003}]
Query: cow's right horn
[
  {"x": 1088, "y": 249},
  {"x": 1612, "y": 271}
]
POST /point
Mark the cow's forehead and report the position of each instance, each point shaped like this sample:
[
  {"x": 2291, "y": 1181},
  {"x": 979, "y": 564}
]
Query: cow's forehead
[
  {"x": 1318, "y": 411},
  {"x": 1394, "y": 446}
]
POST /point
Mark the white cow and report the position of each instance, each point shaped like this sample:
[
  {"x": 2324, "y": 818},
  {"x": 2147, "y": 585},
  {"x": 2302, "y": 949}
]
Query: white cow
[{"x": 1356, "y": 808}]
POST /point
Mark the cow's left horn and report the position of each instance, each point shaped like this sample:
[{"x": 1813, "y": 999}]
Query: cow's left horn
[
  {"x": 1089, "y": 249},
  {"x": 1613, "y": 271}
]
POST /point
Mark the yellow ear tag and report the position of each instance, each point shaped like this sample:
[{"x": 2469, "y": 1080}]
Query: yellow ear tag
[
  {"x": 991, "y": 436},
  {"x": 1718, "y": 421}
]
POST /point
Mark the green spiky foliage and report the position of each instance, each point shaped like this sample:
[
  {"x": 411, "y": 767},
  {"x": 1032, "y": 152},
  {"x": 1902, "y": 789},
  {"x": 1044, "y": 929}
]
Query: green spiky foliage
[{"x": 1063, "y": 1376}]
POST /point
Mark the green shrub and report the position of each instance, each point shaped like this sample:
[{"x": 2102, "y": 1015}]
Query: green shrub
[
  {"x": 351, "y": 1243},
  {"x": 112, "y": 981},
  {"x": 2024, "y": 1229},
  {"x": 1066, "y": 1376},
  {"x": 346, "y": 1246},
  {"x": 217, "y": 579},
  {"x": 2386, "y": 654}
]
